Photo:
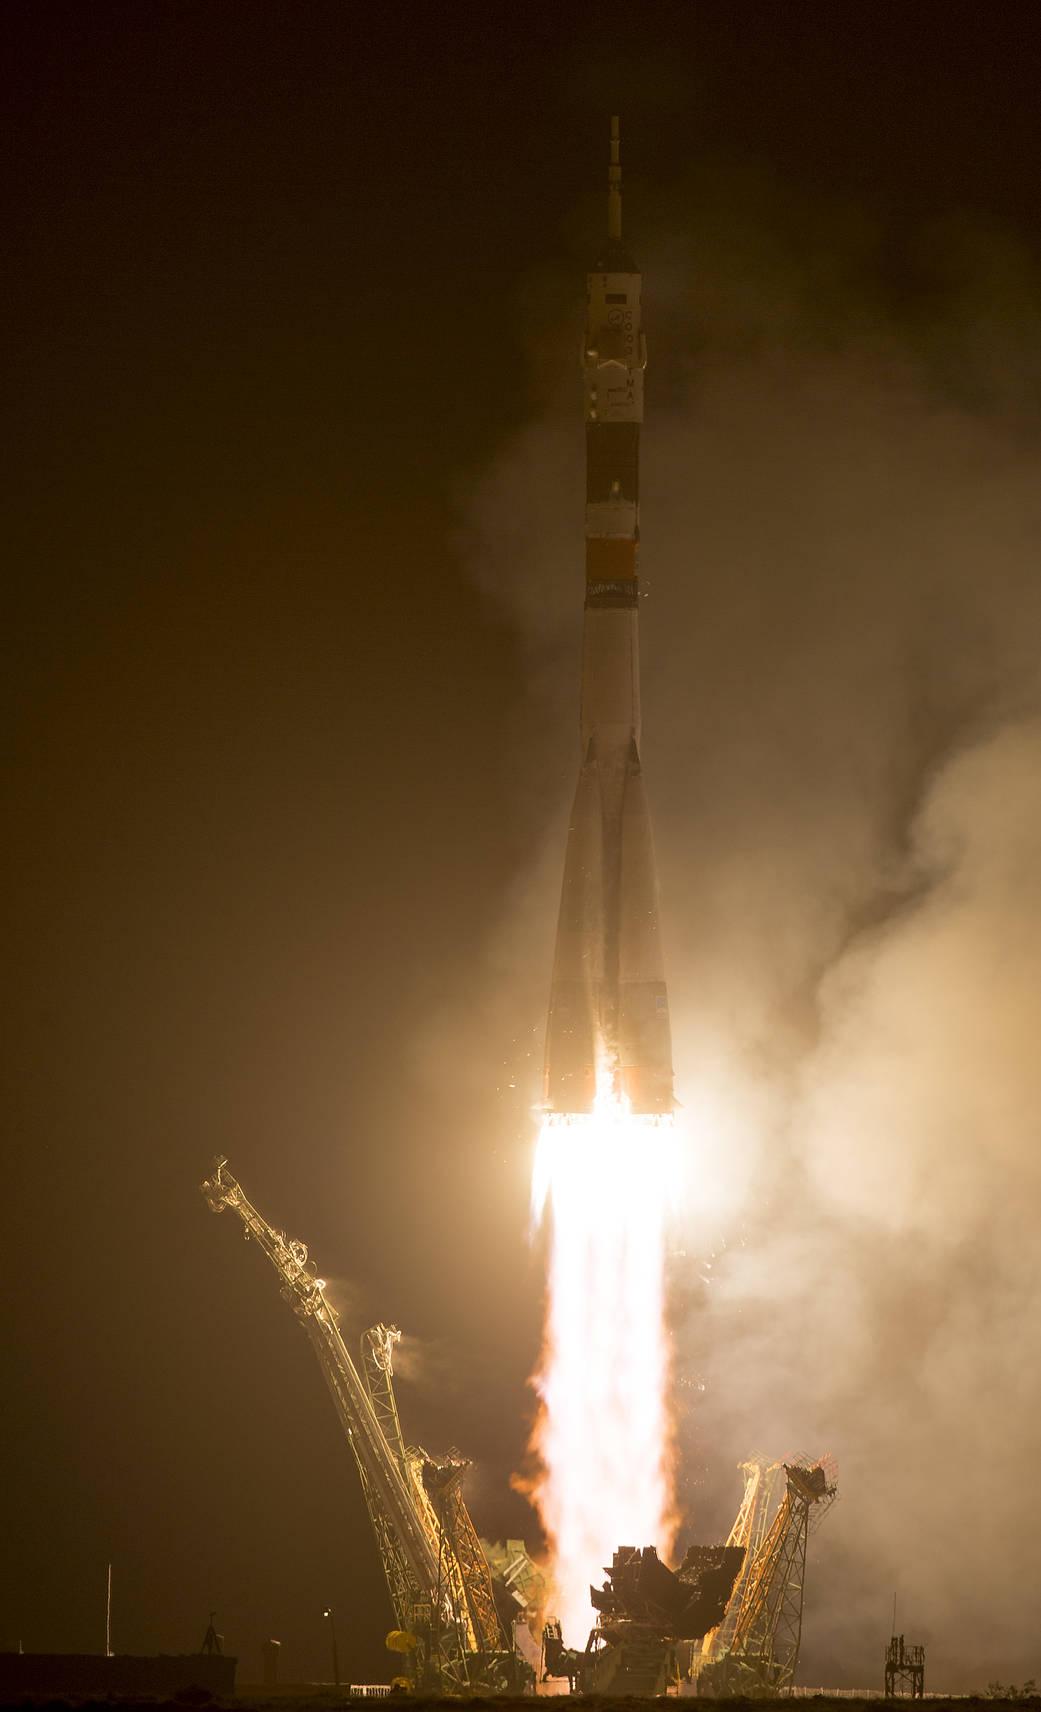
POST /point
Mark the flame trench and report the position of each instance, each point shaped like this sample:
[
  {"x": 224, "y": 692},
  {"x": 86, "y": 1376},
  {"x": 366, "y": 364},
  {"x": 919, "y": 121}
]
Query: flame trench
[{"x": 602, "y": 1436}]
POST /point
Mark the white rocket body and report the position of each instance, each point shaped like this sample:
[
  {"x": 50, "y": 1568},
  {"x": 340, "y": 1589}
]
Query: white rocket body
[{"x": 609, "y": 1029}]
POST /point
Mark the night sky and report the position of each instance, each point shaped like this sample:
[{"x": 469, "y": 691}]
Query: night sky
[{"x": 293, "y": 610}]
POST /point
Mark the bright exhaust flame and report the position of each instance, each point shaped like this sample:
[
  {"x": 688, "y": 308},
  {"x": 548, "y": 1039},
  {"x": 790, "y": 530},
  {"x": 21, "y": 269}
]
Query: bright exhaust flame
[{"x": 603, "y": 1433}]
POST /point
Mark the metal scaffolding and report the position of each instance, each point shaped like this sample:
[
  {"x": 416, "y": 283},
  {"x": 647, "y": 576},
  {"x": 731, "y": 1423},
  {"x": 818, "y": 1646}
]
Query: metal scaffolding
[
  {"x": 764, "y": 1618},
  {"x": 905, "y": 1670},
  {"x": 440, "y": 1588}
]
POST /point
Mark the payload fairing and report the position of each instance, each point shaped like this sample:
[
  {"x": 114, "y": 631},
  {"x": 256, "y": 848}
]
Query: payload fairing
[{"x": 609, "y": 1031}]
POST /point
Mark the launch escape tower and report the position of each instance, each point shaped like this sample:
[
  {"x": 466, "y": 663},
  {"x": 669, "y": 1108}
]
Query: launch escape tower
[
  {"x": 437, "y": 1575},
  {"x": 609, "y": 1030}
]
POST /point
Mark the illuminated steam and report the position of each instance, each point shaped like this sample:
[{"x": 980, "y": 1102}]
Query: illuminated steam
[{"x": 841, "y": 540}]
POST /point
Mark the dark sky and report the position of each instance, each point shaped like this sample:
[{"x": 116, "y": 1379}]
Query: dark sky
[{"x": 292, "y": 302}]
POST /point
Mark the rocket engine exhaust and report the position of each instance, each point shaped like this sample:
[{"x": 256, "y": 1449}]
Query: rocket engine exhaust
[{"x": 604, "y": 1164}]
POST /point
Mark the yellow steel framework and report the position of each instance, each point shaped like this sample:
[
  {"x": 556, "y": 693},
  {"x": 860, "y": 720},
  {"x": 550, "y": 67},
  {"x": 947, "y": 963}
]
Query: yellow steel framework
[
  {"x": 766, "y": 1633},
  {"x": 436, "y": 1573},
  {"x": 748, "y": 1531}
]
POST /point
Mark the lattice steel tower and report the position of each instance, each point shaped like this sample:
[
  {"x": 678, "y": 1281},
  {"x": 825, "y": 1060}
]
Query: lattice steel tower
[
  {"x": 764, "y": 1648},
  {"x": 437, "y": 1575}
]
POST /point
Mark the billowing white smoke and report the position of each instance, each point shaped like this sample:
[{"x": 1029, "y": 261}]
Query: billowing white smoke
[
  {"x": 885, "y": 1294},
  {"x": 922, "y": 1102},
  {"x": 841, "y": 520}
]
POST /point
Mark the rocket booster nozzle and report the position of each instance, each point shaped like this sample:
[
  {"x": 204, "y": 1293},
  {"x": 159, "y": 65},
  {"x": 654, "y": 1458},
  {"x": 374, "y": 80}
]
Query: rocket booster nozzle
[{"x": 614, "y": 185}]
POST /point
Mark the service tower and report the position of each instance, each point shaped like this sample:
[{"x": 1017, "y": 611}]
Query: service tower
[{"x": 609, "y": 1033}]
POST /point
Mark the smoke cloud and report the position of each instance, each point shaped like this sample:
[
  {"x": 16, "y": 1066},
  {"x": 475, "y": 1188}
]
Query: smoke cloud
[{"x": 842, "y": 712}]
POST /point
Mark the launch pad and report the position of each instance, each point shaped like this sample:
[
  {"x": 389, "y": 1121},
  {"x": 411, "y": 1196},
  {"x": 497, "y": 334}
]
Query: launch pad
[
  {"x": 728, "y": 1620},
  {"x": 450, "y": 1634}
]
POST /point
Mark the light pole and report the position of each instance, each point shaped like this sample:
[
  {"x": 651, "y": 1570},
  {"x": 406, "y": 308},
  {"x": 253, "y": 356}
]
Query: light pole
[{"x": 328, "y": 1612}]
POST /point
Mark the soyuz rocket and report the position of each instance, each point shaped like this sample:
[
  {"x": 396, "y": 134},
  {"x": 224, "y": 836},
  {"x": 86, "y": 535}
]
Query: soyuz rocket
[{"x": 609, "y": 1031}]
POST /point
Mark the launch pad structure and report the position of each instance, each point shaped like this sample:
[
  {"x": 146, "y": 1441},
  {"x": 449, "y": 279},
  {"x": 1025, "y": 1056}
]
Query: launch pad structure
[
  {"x": 729, "y": 1618},
  {"x": 755, "y": 1650},
  {"x": 449, "y": 1634},
  {"x": 905, "y": 1670},
  {"x": 466, "y": 1611}
]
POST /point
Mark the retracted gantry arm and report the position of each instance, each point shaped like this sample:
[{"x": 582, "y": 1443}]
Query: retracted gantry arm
[
  {"x": 414, "y": 1567},
  {"x": 436, "y": 1571}
]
